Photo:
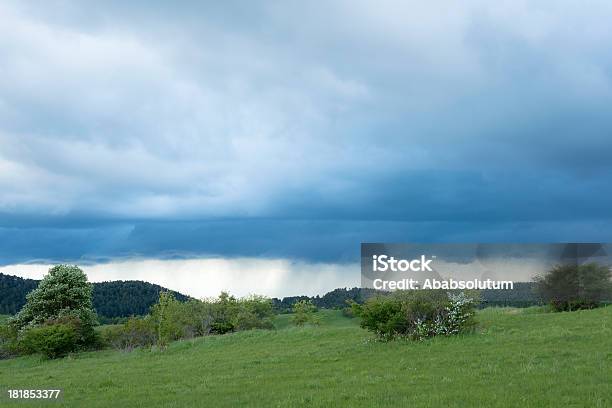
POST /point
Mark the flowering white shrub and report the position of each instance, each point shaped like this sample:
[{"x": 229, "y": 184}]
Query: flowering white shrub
[
  {"x": 417, "y": 314},
  {"x": 458, "y": 316}
]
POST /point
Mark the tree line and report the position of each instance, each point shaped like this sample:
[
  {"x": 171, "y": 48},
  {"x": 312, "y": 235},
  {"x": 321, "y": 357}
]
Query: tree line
[
  {"x": 120, "y": 299},
  {"x": 522, "y": 295}
]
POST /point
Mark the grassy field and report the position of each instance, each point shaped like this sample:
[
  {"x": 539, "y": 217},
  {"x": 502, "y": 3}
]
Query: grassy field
[{"x": 516, "y": 359}]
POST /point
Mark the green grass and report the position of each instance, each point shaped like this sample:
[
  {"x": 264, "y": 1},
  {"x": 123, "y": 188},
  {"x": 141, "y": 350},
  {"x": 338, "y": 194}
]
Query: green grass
[
  {"x": 516, "y": 359},
  {"x": 4, "y": 318}
]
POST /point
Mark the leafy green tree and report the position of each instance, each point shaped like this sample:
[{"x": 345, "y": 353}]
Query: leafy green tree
[
  {"x": 253, "y": 312},
  {"x": 571, "y": 287},
  {"x": 166, "y": 316},
  {"x": 225, "y": 310},
  {"x": 64, "y": 295},
  {"x": 304, "y": 312}
]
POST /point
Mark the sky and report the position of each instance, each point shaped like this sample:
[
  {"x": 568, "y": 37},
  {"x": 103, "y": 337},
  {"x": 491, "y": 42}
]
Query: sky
[{"x": 205, "y": 137}]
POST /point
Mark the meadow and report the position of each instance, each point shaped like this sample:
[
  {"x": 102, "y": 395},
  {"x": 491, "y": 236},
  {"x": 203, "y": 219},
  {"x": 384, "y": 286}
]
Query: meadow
[{"x": 517, "y": 357}]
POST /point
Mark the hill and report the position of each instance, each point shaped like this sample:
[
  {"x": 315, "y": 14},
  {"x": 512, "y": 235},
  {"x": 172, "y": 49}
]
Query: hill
[
  {"x": 518, "y": 357},
  {"x": 110, "y": 299},
  {"x": 13, "y": 291}
]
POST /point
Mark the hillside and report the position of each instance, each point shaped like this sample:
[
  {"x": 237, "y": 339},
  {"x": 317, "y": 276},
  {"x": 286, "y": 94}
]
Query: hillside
[
  {"x": 13, "y": 291},
  {"x": 518, "y": 357},
  {"x": 110, "y": 299}
]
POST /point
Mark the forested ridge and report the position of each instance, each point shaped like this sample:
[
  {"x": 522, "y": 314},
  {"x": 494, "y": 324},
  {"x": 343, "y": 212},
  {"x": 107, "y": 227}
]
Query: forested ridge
[
  {"x": 13, "y": 291},
  {"x": 110, "y": 299}
]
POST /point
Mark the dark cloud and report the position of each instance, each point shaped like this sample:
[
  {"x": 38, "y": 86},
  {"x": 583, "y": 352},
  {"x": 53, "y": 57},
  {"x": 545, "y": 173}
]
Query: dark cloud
[
  {"x": 143, "y": 128},
  {"x": 306, "y": 240}
]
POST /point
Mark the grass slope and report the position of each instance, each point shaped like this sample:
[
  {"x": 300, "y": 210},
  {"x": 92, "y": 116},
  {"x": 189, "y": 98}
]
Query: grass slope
[{"x": 517, "y": 358}]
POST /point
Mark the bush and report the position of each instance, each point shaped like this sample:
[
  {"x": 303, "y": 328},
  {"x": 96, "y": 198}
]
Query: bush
[
  {"x": 53, "y": 341},
  {"x": 54, "y": 338},
  {"x": 417, "y": 314},
  {"x": 457, "y": 317},
  {"x": 8, "y": 341},
  {"x": 254, "y": 312},
  {"x": 228, "y": 314},
  {"x": 348, "y": 312},
  {"x": 173, "y": 320},
  {"x": 223, "y": 312},
  {"x": 176, "y": 320},
  {"x": 195, "y": 318},
  {"x": 572, "y": 287},
  {"x": 136, "y": 332},
  {"x": 86, "y": 336}
]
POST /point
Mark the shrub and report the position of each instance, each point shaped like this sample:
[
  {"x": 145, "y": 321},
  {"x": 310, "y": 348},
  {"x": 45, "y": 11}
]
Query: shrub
[
  {"x": 417, "y": 314},
  {"x": 348, "y": 312},
  {"x": 304, "y": 312},
  {"x": 571, "y": 287},
  {"x": 53, "y": 341},
  {"x": 8, "y": 341},
  {"x": 383, "y": 316},
  {"x": 456, "y": 317},
  {"x": 221, "y": 327},
  {"x": 172, "y": 320},
  {"x": 254, "y": 312},
  {"x": 226, "y": 314},
  {"x": 136, "y": 332},
  {"x": 223, "y": 313},
  {"x": 195, "y": 318},
  {"x": 85, "y": 334}
]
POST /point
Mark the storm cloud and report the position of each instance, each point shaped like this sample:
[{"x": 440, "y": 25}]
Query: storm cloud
[{"x": 297, "y": 130}]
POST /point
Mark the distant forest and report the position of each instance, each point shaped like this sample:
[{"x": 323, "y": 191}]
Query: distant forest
[
  {"x": 522, "y": 295},
  {"x": 120, "y": 299},
  {"x": 110, "y": 299}
]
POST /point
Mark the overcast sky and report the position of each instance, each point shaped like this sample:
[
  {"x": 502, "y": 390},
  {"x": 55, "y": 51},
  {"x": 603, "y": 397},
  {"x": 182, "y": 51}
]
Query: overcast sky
[{"x": 293, "y": 131}]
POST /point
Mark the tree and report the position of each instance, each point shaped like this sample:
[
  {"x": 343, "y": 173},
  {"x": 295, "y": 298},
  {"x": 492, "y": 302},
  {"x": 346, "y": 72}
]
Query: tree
[
  {"x": 572, "y": 287},
  {"x": 225, "y": 310},
  {"x": 304, "y": 312},
  {"x": 254, "y": 312},
  {"x": 165, "y": 314},
  {"x": 62, "y": 297}
]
